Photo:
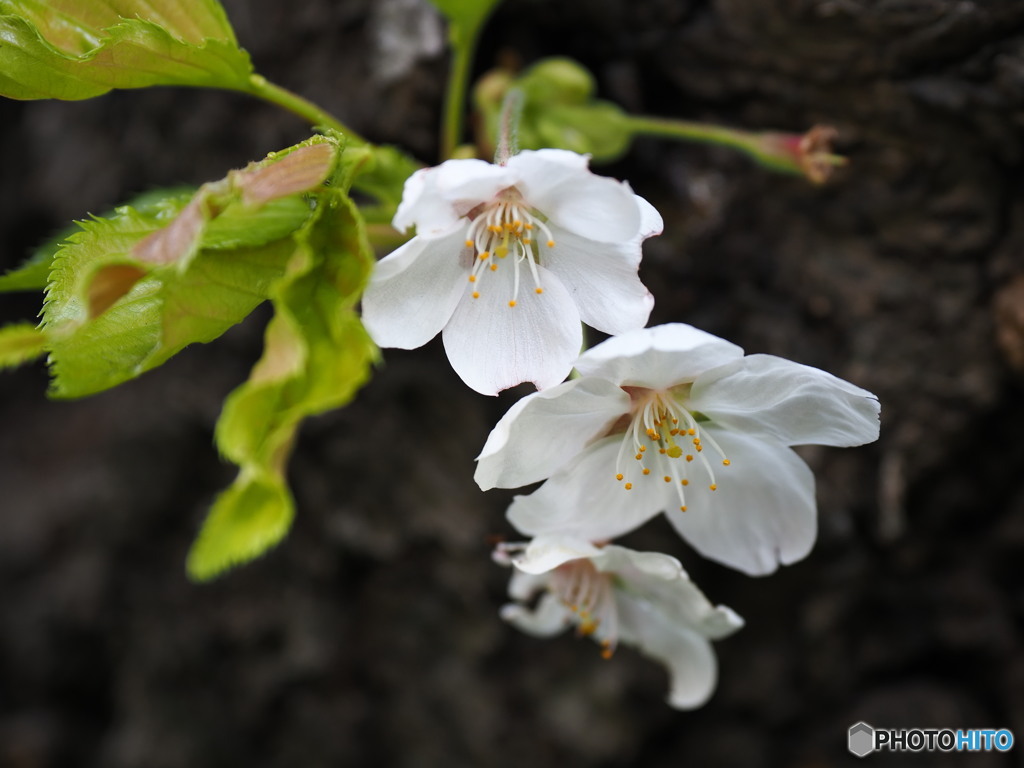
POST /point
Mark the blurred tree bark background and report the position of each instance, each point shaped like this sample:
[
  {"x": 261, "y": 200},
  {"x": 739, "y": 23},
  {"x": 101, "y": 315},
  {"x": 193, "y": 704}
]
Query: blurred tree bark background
[{"x": 371, "y": 636}]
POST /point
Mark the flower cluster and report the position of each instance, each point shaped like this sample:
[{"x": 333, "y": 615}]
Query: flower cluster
[{"x": 665, "y": 420}]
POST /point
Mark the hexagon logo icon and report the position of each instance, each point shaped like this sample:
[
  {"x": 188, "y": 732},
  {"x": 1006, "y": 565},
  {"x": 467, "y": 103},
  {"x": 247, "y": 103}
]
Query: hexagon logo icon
[{"x": 861, "y": 739}]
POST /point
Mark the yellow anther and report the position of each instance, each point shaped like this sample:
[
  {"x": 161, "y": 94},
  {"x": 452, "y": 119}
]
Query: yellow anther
[
  {"x": 661, "y": 450},
  {"x": 643, "y": 448},
  {"x": 527, "y": 241},
  {"x": 700, "y": 448},
  {"x": 511, "y": 303},
  {"x": 684, "y": 481},
  {"x": 638, "y": 456},
  {"x": 551, "y": 243},
  {"x": 675, "y": 421},
  {"x": 673, "y": 432},
  {"x": 682, "y": 509},
  {"x": 538, "y": 290},
  {"x": 696, "y": 441},
  {"x": 472, "y": 278},
  {"x": 529, "y": 226},
  {"x": 628, "y": 486},
  {"x": 726, "y": 462},
  {"x": 647, "y": 471},
  {"x": 668, "y": 479},
  {"x": 652, "y": 434},
  {"x": 606, "y": 653},
  {"x": 476, "y": 294},
  {"x": 675, "y": 452},
  {"x": 517, "y": 224},
  {"x": 618, "y": 476},
  {"x": 691, "y": 431},
  {"x": 713, "y": 487},
  {"x": 689, "y": 457},
  {"x": 469, "y": 243},
  {"x": 484, "y": 255},
  {"x": 494, "y": 267},
  {"x": 494, "y": 228}
]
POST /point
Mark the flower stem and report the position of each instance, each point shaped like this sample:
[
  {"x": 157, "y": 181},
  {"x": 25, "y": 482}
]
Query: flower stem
[
  {"x": 463, "y": 42},
  {"x": 748, "y": 142},
  {"x": 262, "y": 88}
]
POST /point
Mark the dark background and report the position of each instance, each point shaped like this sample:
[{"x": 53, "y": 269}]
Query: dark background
[{"x": 371, "y": 636}]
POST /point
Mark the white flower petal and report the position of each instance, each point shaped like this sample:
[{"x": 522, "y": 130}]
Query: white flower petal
[
  {"x": 545, "y": 430},
  {"x": 545, "y": 553},
  {"x": 434, "y": 200},
  {"x": 660, "y": 582},
  {"x": 602, "y": 279},
  {"x": 640, "y": 569},
  {"x": 523, "y": 587},
  {"x": 558, "y": 184},
  {"x": 794, "y": 403},
  {"x": 424, "y": 208},
  {"x": 414, "y": 291},
  {"x": 549, "y": 617},
  {"x": 493, "y": 346},
  {"x": 584, "y": 499},
  {"x": 763, "y": 512},
  {"x": 651, "y": 222},
  {"x": 658, "y": 357},
  {"x": 688, "y": 656},
  {"x": 467, "y": 183}
]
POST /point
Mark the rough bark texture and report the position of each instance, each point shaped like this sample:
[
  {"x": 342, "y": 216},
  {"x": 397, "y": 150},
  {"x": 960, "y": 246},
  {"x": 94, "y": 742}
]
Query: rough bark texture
[{"x": 371, "y": 636}]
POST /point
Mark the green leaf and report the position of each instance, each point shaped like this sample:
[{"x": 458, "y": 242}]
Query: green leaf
[
  {"x": 20, "y": 343},
  {"x": 246, "y": 520},
  {"x": 128, "y": 292},
  {"x": 76, "y": 49},
  {"x": 76, "y": 26},
  {"x": 34, "y": 273},
  {"x": 316, "y": 355}
]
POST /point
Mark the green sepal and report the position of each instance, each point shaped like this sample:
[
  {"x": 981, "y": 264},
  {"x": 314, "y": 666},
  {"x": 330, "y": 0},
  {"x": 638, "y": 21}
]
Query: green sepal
[
  {"x": 86, "y": 48},
  {"x": 316, "y": 355},
  {"x": 20, "y": 343}
]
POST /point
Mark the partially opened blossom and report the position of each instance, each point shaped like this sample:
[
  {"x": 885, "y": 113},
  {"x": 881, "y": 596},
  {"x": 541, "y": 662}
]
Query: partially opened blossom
[
  {"x": 674, "y": 419},
  {"x": 615, "y": 595},
  {"x": 506, "y": 262}
]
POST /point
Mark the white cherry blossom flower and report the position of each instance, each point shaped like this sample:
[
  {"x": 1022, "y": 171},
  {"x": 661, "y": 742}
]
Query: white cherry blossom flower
[
  {"x": 615, "y": 595},
  {"x": 674, "y": 419},
  {"x": 506, "y": 262}
]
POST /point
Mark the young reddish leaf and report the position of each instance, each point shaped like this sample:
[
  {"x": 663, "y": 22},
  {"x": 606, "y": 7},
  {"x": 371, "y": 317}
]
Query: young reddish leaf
[
  {"x": 298, "y": 171},
  {"x": 110, "y": 283}
]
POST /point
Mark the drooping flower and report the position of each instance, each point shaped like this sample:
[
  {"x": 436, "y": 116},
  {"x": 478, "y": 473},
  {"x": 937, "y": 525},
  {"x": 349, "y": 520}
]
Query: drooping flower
[
  {"x": 615, "y": 595},
  {"x": 506, "y": 262},
  {"x": 674, "y": 419}
]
